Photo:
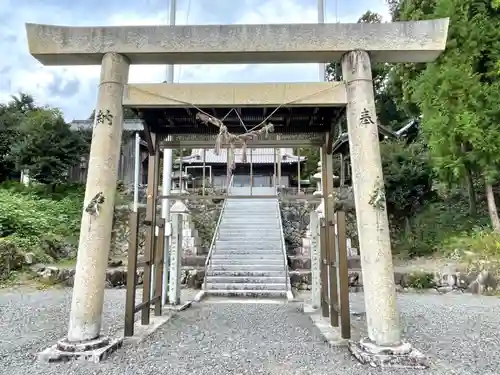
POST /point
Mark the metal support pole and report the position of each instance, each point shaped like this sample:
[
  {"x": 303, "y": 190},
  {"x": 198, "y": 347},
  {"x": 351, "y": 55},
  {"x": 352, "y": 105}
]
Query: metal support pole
[
  {"x": 165, "y": 214},
  {"x": 251, "y": 171},
  {"x": 180, "y": 170},
  {"x": 274, "y": 165},
  {"x": 204, "y": 172},
  {"x": 321, "y": 19},
  {"x": 172, "y": 12},
  {"x": 298, "y": 170},
  {"x": 137, "y": 165},
  {"x": 167, "y": 182},
  {"x": 279, "y": 161}
]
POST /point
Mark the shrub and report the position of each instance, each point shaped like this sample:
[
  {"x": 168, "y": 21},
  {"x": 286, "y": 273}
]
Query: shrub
[
  {"x": 40, "y": 222},
  {"x": 421, "y": 280},
  {"x": 10, "y": 257},
  {"x": 480, "y": 248},
  {"x": 432, "y": 226}
]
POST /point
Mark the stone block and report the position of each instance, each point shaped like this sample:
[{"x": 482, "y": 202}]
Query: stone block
[
  {"x": 300, "y": 279},
  {"x": 402, "y": 356},
  {"x": 193, "y": 261},
  {"x": 192, "y": 277},
  {"x": 299, "y": 262},
  {"x": 94, "y": 350},
  {"x": 354, "y": 262},
  {"x": 306, "y": 242}
]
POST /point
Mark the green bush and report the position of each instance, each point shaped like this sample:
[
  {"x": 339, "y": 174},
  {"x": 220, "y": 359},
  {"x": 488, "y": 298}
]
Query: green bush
[
  {"x": 45, "y": 223},
  {"x": 421, "y": 280},
  {"x": 10, "y": 257},
  {"x": 434, "y": 225},
  {"x": 480, "y": 248}
]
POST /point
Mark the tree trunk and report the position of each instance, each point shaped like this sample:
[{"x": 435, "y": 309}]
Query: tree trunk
[
  {"x": 469, "y": 182},
  {"x": 471, "y": 192},
  {"x": 492, "y": 207}
]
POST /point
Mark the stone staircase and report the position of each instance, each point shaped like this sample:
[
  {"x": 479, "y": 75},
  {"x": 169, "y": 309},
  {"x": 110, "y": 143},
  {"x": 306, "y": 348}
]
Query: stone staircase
[{"x": 247, "y": 258}]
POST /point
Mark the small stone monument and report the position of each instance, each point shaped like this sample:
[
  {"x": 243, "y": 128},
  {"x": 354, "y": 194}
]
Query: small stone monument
[{"x": 191, "y": 243}]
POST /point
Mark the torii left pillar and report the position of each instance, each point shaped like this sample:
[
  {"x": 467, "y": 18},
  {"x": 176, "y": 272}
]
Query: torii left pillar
[{"x": 84, "y": 334}]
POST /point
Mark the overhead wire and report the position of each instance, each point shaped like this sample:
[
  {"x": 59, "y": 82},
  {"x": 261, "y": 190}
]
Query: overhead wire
[{"x": 188, "y": 11}]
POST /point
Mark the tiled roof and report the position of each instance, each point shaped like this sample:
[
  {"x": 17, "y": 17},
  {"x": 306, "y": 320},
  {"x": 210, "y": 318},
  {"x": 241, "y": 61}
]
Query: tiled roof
[
  {"x": 256, "y": 156},
  {"x": 128, "y": 125}
]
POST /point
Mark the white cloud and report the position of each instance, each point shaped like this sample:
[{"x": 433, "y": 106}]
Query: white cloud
[{"x": 27, "y": 75}]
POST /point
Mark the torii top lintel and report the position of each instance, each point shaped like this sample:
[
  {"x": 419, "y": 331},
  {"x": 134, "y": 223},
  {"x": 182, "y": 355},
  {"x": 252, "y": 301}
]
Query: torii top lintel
[{"x": 415, "y": 41}]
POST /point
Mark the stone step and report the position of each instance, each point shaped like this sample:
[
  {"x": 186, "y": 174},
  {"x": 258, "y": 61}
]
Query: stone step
[
  {"x": 253, "y": 206},
  {"x": 256, "y": 241},
  {"x": 245, "y": 267},
  {"x": 266, "y": 212},
  {"x": 245, "y": 232},
  {"x": 250, "y": 221},
  {"x": 250, "y": 228},
  {"x": 246, "y": 279},
  {"x": 257, "y": 262},
  {"x": 245, "y": 246},
  {"x": 274, "y": 240},
  {"x": 248, "y": 257},
  {"x": 245, "y": 273},
  {"x": 236, "y": 242},
  {"x": 244, "y": 249},
  {"x": 247, "y": 293},
  {"x": 250, "y": 252},
  {"x": 251, "y": 212},
  {"x": 247, "y": 286}
]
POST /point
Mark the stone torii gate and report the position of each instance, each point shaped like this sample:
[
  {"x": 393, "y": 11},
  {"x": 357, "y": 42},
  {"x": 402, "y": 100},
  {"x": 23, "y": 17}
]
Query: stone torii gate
[{"x": 357, "y": 46}]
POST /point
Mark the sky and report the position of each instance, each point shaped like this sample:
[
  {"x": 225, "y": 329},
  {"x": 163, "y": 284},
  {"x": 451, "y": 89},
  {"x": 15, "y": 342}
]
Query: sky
[{"x": 74, "y": 89}]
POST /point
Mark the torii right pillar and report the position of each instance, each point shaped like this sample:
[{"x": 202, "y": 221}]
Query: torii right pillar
[{"x": 383, "y": 347}]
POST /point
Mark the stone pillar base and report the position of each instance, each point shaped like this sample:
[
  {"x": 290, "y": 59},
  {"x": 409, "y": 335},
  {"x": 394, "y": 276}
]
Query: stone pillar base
[
  {"x": 95, "y": 350},
  {"x": 402, "y": 356}
]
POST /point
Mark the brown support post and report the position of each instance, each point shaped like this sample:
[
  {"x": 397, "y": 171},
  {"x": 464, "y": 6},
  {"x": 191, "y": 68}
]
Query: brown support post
[
  {"x": 342, "y": 171},
  {"x": 153, "y": 174},
  {"x": 131, "y": 273},
  {"x": 345, "y": 318},
  {"x": 327, "y": 180},
  {"x": 323, "y": 269},
  {"x": 148, "y": 136},
  {"x": 159, "y": 251}
]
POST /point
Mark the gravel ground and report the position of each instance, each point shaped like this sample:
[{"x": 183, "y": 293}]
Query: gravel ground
[{"x": 459, "y": 332}]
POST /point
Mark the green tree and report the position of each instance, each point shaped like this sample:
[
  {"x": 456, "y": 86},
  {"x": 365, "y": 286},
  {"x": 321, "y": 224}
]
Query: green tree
[
  {"x": 11, "y": 115},
  {"x": 408, "y": 175},
  {"x": 459, "y": 94},
  {"x": 47, "y": 147}
]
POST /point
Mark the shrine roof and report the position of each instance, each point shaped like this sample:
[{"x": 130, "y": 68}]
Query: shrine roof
[{"x": 254, "y": 156}]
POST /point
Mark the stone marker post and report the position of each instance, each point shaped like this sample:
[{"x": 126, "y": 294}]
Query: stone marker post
[
  {"x": 177, "y": 212},
  {"x": 382, "y": 315},
  {"x": 315, "y": 261}
]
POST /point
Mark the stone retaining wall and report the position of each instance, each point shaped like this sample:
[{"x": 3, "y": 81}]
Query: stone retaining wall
[
  {"x": 192, "y": 277},
  {"x": 204, "y": 216},
  {"x": 116, "y": 277},
  {"x": 441, "y": 282}
]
